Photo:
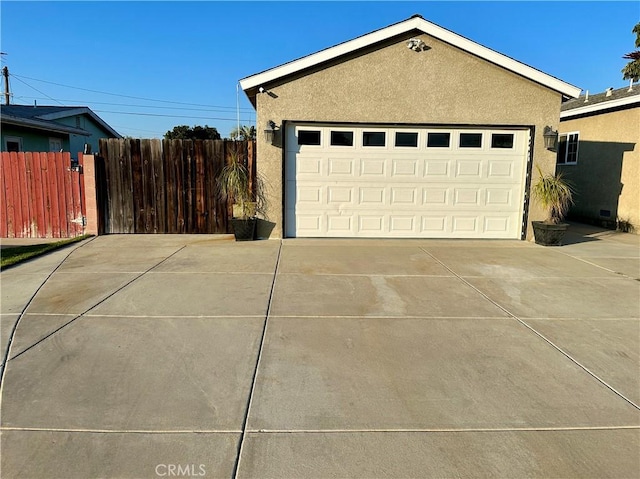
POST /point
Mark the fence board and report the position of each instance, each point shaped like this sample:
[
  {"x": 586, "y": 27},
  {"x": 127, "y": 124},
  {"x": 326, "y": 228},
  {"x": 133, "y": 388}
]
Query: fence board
[
  {"x": 199, "y": 205},
  {"x": 69, "y": 210},
  {"x": 38, "y": 194},
  {"x": 157, "y": 164},
  {"x": 3, "y": 200},
  {"x": 61, "y": 201},
  {"x": 187, "y": 185},
  {"x": 137, "y": 190},
  {"x": 15, "y": 196},
  {"x": 31, "y": 223}
]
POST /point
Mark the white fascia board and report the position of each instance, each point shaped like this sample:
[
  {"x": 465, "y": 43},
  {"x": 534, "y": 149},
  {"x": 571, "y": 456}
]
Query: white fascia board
[
  {"x": 605, "y": 105},
  {"x": 429, "y": 28}
]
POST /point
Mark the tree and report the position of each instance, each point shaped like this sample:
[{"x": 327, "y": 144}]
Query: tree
[
  {"x": 243, "y": 132},
  {"x": 631, "y": 71},
  {"x": 184, "y": 132}
]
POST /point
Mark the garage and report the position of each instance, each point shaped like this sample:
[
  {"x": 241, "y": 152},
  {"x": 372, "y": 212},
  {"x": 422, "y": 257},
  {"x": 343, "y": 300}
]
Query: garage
[
  {"x": 408, "y": 131},
  {"x": 372, "y": 181}
]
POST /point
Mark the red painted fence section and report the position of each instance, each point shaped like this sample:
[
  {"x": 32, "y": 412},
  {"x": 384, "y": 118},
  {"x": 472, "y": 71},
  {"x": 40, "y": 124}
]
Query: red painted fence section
[{"x": 40, "y": 196}]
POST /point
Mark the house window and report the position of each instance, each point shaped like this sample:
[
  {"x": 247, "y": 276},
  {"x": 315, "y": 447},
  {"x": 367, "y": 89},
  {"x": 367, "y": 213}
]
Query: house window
[
  {"x": 309, "y": 137},
  {"x": 55, "y": 144},
  {"x": 438, "y": 140},
  {"x": 407, "y": 139},
  {"x": 13, "y": 143},
  {"x": 470, "y": 140},
  {"x": 373, "y": 138},
  {"x": 568, "y": 148},
  {"x": 502, "y": 140},
  {"x": 341, "y": 138}
]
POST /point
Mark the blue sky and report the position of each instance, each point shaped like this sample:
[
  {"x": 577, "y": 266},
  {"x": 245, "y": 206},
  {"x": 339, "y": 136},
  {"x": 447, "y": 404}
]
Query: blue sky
[{"x": 193, "y": 53}]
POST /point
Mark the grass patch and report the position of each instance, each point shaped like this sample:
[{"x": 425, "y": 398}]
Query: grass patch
[{"x": 13, "y": 256}]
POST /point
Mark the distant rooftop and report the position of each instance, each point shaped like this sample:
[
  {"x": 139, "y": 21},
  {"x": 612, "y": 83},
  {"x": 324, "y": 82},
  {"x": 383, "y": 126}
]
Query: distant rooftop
[
  {"x": 593, "y": 99},
  {"x": 45, "y": 116}
]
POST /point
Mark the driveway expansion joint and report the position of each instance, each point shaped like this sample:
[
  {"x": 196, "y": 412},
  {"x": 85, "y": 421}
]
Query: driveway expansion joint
[
  {"x": 7, "y": 356},
  {"x": 241, "y": 442},
  {"x": 540, "y": 335},
  {"x": 76, "y": 316}
]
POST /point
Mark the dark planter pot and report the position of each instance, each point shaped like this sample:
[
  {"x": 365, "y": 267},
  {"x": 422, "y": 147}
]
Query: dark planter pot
[
  {"x": 244, "y": 230},
  {"x": 549, "y": 235}
]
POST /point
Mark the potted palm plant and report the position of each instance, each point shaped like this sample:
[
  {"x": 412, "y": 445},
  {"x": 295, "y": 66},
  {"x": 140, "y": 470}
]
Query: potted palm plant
[
  {"x": 234, "y": 185},
  {"x": 555, "y": 195}
]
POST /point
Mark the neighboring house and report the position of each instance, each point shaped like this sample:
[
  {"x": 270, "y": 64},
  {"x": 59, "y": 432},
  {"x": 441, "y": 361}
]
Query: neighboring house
[
  {"x": 410, "y": 131},
  {"x": 52, "y": 128},
  {"x": 599, "y": 153}
]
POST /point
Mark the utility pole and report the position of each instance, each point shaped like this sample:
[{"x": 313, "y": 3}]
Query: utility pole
[{"x": 7, "y": 95}]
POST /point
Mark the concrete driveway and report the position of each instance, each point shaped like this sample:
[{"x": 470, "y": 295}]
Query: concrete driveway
[{"x": 187, "y": 356}]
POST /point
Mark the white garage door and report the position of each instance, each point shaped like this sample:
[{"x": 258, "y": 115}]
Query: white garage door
[{"x": 373, "y": 182}]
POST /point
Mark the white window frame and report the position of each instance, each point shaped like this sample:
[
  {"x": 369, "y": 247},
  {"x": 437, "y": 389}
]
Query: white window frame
[
  {"x": 13, "y": 139},
  {"x": 567, "y": 136}
]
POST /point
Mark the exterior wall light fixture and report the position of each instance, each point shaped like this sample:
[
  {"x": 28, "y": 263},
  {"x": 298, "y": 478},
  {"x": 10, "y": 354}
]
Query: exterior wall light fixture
[
  {"x": 271, "y": 132},
  {"x": 550, "y": 138}
]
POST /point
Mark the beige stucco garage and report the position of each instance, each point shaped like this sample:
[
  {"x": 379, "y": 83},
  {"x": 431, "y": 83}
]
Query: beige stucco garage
[{"x": 408, "y": 131}]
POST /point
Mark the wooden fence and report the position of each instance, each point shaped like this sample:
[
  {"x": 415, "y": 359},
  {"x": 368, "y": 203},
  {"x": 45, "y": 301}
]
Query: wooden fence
[
  {"x": 40, "y": 196},
  {"x": 164, "y": 186}
]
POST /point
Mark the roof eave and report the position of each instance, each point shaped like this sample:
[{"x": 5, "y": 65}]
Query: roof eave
[
  {"x": 414, "y": 23},
  {"x": 43, "y": 125}
]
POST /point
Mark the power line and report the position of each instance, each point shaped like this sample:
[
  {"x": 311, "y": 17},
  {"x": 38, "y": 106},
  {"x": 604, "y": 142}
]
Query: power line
[
  {"x": 165, "y": 116},
  {"x": 134, "y": 106},
  {"x": 34, "y": 88},
  {"x": 125, "y": 96}
]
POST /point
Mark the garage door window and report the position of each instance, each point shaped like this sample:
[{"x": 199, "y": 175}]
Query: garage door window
[
  {"x": 309, "y": 137},
  {"x": 502, "y": 140},
  {"x": 407, "y": 139},
  {"x": 341, "y": 138},
  {"x": 470, "y": 140},
  {"x": 373, "y": 138},
  {"x": 438, "y": 140}
]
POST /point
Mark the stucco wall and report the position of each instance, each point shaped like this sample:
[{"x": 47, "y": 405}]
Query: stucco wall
[
  {"x": 607, "y": 174},
  {"x": 395, "y": 84}
]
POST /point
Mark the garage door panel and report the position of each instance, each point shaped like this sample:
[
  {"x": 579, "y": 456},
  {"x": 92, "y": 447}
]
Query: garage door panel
[
  {"x": 340, "y": 194},
  {"x": 404, "y": 168},
  {"x": 340, "y": 167},
  {"x": 366, "y": 191},
  {"x": 404, "y": 196},
  {"x": 437, "y": 169},
  {"x": 373, "y": 167}
]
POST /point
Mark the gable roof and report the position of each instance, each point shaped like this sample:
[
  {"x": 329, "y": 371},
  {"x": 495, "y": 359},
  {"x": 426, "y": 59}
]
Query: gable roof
[
  {"x": 416, "y": 22},
  {"x": 43, "y": 117},
  {"x": 600, "y": 102}
]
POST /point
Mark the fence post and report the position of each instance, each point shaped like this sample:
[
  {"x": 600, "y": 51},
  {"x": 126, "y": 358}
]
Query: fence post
[{"x": 90, "y": 194}]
